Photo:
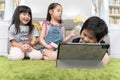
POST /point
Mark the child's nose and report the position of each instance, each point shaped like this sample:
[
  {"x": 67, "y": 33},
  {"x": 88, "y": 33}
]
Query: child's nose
[{"x": 26, "y": 16}]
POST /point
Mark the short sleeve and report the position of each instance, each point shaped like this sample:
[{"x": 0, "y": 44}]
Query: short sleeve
[
  {"x": 76, "y": 40},
  {"x": 35, "y": 32},
  {"x": 11, "y": 33}
]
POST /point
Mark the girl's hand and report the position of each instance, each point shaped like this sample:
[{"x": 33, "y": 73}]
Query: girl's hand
[
  {"x": 27, "y": 48},
  {"x": 23, "y": 48},
  {"x": 53, "y": 46},
  {"x": 73, "y": 33},
  {"x": 50, "y": 48}
]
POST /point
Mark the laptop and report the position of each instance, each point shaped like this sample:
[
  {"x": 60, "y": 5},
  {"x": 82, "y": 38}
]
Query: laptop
[{"x": 81, "y": 55}]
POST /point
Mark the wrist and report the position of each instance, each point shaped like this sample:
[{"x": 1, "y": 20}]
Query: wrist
[
  {"x": 31, "y": 44},
  {"x": 48, "y": 47},
  {"x": 53, "y": 45}
]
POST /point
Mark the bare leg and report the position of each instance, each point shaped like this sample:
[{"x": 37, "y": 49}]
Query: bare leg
[
  {"x": 15, "y": 53},
  {"x": 35, "y": 55},
  {"x": 105, "y": 59},
  {"x": 49, "y": 55},
  {"x": 45, "y": 57}
]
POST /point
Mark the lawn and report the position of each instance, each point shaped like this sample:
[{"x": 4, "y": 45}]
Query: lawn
[{"x": 46, "y": 70}]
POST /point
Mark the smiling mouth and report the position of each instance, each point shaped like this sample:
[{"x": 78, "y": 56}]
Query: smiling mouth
[{"x": 26, "y": 20}]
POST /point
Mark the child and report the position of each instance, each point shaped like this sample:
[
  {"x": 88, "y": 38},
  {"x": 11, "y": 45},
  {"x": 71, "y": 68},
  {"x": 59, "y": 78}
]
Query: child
[
  {"x": 53, "y": 32},
  {"x": 93, "y": 31},
  {"x": 22, "y": 35}
]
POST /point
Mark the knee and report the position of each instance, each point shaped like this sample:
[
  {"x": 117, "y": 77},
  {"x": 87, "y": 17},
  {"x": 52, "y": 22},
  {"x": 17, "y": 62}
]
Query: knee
[
  {"x": 50, "y": 56},
  {"x": 46, "y": 58},
  {"x": 37, "y": 55},
  {"x": 15, "y": 54}
]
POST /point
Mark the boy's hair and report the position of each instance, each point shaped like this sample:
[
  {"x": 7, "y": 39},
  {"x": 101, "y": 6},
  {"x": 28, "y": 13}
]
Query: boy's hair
[
  {"x": 51, "y": 7},
  {"x": 16, "y": 20},
  {"x": 97, "y": 26}
]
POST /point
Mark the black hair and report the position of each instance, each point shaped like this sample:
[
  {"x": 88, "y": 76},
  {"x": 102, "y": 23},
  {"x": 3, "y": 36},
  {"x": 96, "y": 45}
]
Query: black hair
[
  {"x": 16, "y": 20},
  {"x": 97, "y": 26},
  {"x": 51, "y": 7}
]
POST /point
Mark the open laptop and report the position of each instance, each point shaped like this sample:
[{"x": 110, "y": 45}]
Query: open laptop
[{"x": 81, "y": 55}]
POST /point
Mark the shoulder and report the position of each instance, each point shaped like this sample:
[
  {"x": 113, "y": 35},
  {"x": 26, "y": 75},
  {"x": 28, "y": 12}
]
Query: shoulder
[
  {"x": 46, "y": 23},
  {"x": 12, "y": 27},
  {"x": 61, "y": 25},
  {"x": 76, "y": 40}
]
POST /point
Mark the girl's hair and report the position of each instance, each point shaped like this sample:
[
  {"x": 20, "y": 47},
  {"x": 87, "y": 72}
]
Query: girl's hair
[
  {"x": 97, "y": 26},
  {"x": 51, "y": 7},
  {"x": 16, "y": 20}
]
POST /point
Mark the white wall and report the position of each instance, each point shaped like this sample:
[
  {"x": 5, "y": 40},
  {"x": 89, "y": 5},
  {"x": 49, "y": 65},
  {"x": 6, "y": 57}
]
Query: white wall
[
  {"x": 71, "y": 8},
  {"x": 4, "y": 38},
  {"x": 114, "y": 32},
  {"x": 9, "y": 9}
]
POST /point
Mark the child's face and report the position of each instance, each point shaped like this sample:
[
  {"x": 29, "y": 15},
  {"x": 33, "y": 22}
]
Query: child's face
[
  {"x": 87, "y": 36},
  {"x": 57, "y": 13},
  {"x": 24, "y": 18}
]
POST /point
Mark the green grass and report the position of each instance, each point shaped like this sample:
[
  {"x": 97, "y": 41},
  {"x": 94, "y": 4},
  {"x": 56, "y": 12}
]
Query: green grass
[{"x": 46, "y": 70}]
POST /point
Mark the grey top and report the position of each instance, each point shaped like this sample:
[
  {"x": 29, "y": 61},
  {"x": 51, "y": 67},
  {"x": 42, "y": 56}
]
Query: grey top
[{"x": 22, "y": 36}]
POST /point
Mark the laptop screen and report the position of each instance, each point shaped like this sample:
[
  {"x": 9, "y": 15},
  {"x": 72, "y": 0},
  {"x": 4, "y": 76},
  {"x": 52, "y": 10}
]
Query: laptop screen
[{"x": 82, "y": 51}]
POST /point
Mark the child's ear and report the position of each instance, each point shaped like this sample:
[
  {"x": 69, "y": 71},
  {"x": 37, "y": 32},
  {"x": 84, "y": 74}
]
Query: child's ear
[{"x": 50, "y": 11}]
